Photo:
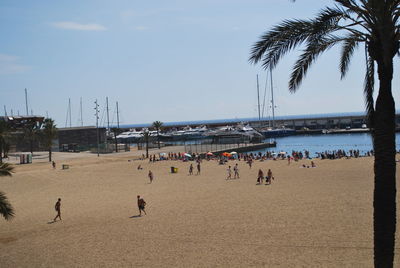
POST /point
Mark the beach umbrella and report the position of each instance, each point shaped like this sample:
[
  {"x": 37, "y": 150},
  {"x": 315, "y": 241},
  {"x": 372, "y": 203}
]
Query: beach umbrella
[
  {"x": 210, "y": 153},
  {"x": 163, "y": 153},
  {"x": 282, "y": 152},
  {"x": 187, "y": 155},
  {"x": 233, "y": 152},
  {"x": 226, "y": 154}
]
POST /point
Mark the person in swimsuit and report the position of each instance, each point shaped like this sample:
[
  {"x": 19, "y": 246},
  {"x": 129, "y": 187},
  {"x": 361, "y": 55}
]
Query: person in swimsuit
[
  {"x": 229, "y": 173},
  {"x": 57, "y": 207},
  {"x": 191, "y": 169},
  {"x": 141, "y": 204},
  {"x": 260, "y": 176},
  {"x": 269, "y": 177},
  {"x": 236, "y": 170}
]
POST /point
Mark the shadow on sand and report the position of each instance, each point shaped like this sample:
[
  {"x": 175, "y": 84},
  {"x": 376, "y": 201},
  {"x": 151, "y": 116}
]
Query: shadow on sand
[{"x": 135, "y": 216}]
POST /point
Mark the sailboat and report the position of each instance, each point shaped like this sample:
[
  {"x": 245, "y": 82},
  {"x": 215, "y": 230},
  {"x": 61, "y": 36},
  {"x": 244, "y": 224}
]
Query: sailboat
[{"x": 272, "y": 131}]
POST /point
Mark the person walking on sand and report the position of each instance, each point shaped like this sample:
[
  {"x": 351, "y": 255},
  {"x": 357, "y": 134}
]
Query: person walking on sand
[
  {"x": 151, "y": 176},
  {"x": 269, "y": 177},
  {"x": 250, "y": 162},
  {"x": 229, "y": 171},
  {"x": 57, "y": 207},
  {"x": 198, "y": 168},
  {"x": 191, "y": 169},
  {"x": 141, "y": 204},
  {"x": 53, "y": 164},
  {"x": 260, "y": 176},
  {"x": 236, "y": 170}
]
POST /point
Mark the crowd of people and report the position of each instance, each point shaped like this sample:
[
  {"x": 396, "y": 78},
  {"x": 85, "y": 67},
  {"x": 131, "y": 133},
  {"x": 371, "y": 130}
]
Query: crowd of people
[{"x": 252, "y": 156}]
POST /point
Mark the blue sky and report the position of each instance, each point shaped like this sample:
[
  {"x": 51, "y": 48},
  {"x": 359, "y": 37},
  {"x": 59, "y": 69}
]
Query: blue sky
[{"x": 174, "y": 60}]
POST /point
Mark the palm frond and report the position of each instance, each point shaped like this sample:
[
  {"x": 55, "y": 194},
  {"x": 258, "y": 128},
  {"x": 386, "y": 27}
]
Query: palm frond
[
  {"x": 6, "y": 169},
  {"x": 309, "y": 55},
  {"x": 6, "y": 210},
  {"x": 273, "y": 45},
  {"x": 350, "y": 44},
  {"x": 361, "y": 11},
  {"x": 280, "y": 39}
]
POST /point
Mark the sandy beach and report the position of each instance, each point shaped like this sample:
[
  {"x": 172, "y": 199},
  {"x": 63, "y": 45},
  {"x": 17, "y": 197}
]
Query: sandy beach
[{"x": 307, "y": 217}]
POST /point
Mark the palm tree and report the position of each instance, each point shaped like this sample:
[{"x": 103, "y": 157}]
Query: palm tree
[
  {"x": 30, "y": 132},
  {"x": 146, "y": 137},
  {"x": 49, "y": 133},
  {"x": 158, "y": 125},
  {"x": 351, "y": 23},
  {"x": 6, "y": 210}
]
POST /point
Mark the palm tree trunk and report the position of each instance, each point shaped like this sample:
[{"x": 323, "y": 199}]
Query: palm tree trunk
[
  {"x": 116, "y": 141},
  {"x": 385, "y": 170},
  {"x": 147, "y": 147},
  {"x": 1, "y": 151},
  {"x": 49, "y": 154},
  {"x": 158, "y": 138}
]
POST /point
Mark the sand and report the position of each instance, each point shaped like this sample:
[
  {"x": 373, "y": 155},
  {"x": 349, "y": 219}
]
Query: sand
[{"x": 308, "y": 217}]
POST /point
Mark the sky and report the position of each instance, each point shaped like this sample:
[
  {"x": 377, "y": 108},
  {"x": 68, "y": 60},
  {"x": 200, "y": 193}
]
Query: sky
[{"x": 175, "y": 60}]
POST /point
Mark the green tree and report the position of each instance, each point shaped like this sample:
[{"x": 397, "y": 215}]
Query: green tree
[
  {"x": 6, "y": 210},
  {"x": 351, "y": 23},
  {"x": 49, "y": 133},
  {"x": 157, "y": 126}
]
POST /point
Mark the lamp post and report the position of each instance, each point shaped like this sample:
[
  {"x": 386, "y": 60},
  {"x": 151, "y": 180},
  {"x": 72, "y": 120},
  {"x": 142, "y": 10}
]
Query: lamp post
[{"x": 97, "y": 126}]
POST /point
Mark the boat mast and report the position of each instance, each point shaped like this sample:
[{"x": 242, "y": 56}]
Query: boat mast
[
  {"x": 265, "y": 95},
  {"x": 81, "y": 113},
  {"x": 258, "y": 101},
  {"x": 117, "y": 116},
  {"x": 5, "y": 111},
  {"x": 70, "y": 115},
  {"x": 97, "y": 127},
  {"x": 108, "y": 116},
  {"x": 272, "y": 99},
  {"x": 26, "y": 101}
]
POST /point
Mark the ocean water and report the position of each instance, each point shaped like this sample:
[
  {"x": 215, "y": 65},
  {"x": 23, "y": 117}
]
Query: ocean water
[{"x": 326, "y": 142}]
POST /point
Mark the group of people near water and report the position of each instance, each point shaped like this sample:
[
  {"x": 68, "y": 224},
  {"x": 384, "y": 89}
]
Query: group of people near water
[
  {"x": 337, "y": 154},
  {"x": 248, "y": 157}
]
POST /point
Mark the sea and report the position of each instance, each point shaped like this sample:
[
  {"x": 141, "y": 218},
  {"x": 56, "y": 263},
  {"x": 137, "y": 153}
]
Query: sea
[{"x": 325, "y": 142}]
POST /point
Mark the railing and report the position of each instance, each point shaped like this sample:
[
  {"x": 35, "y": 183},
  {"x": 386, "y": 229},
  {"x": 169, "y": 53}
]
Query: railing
[{"x": 213, "y": 147}]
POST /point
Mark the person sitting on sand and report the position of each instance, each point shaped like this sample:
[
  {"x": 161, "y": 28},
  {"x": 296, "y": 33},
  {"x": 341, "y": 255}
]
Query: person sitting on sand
[
  {"x": 269, "y": 177},
  {"x": 313, "y": 164},
  {"x": 260, "y": 176},
  {"x": 141, "y": 204},
  {"x": 151, "y": 176},
  {"x": 139, "y": 167},
  {"x": 57, "y": 207},
  {"x": 53, "y": 164}
]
